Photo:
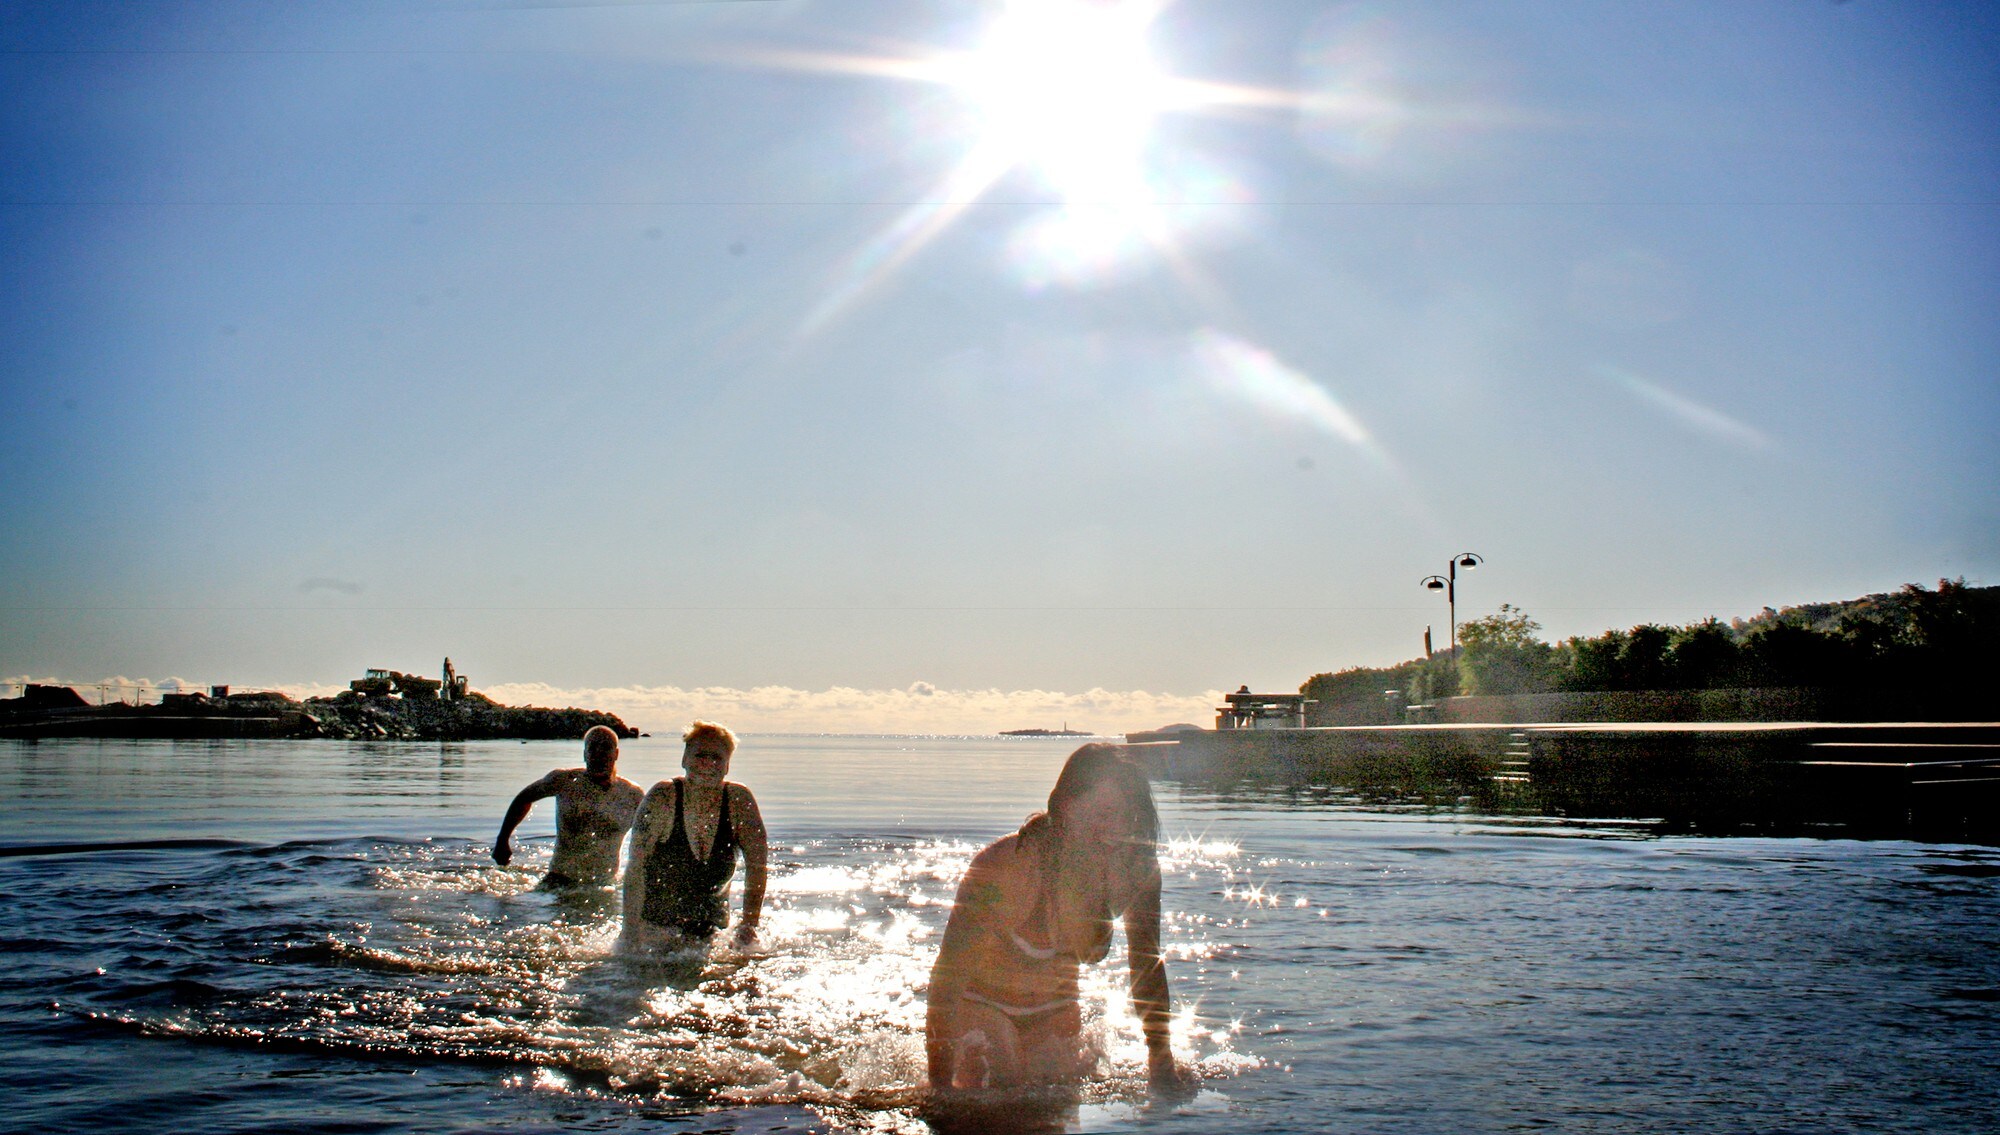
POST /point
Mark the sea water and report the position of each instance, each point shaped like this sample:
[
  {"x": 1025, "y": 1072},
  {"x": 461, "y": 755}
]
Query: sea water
[{"x": 252, "y": 936}]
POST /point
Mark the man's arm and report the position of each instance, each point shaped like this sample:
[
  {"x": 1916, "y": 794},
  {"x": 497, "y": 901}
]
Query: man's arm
[
  {"x": 503, "y": 850},
  {"x": 750, "y": 836},
  {"x": 1150, "y": 998}
]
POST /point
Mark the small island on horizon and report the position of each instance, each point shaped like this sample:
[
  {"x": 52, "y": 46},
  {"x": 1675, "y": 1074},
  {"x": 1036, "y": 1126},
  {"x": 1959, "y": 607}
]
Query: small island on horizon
[
  {"x": 383, "y": 705},
  {"x": 1065, "y": 731}
]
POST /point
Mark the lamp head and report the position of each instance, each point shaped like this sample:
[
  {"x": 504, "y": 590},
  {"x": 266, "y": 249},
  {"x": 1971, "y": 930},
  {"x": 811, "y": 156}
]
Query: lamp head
[{"x": 1469, "y": 560}]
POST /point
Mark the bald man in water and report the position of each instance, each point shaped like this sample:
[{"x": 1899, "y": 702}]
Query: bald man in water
[{"x": 594, "y": 809}]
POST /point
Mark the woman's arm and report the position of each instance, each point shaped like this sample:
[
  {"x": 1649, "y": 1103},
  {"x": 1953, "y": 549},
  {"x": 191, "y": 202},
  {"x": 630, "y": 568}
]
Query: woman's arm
[
  {"x": 1150, "y": 998},
  {"x": 645, "y": 833},
  {"x": 969, "y": 912},
  {"x": 979, "y": 908},
  {"x": 750, "y": 836}
]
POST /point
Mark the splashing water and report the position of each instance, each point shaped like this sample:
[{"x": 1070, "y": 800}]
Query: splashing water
[{"x": 424, "y": 951}]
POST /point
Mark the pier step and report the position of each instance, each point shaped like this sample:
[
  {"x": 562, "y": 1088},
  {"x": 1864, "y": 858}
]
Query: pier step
[
  {"x": 1512, "y": 767},
  {"x": 1929, "y": 766},
  {"x": 1909, "y": 762},
  {"x": 1901, "y": 782}
]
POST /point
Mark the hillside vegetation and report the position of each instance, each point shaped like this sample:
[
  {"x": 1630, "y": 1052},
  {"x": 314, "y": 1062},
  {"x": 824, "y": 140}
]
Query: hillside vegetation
[{"x": 1914, "y": 638}]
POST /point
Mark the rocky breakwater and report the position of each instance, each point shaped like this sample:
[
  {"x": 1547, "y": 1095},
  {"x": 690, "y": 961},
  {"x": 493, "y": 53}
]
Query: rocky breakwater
[
  {"x": 58, "y": 711},
  {"x": 472, "y": 718}
]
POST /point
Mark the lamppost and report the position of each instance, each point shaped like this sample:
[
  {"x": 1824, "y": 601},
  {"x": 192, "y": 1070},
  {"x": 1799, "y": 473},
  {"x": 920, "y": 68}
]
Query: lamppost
[{"x": 1449, "y": 585}]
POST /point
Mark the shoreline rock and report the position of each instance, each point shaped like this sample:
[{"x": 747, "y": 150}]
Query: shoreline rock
[
  {"x": 276, "y": 716},
  {"x": 472, "y": 719}
]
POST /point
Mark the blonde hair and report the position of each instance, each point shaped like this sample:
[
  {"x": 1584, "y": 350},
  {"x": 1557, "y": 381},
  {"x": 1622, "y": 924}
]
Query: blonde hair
[{"x": 709, "y": 730}]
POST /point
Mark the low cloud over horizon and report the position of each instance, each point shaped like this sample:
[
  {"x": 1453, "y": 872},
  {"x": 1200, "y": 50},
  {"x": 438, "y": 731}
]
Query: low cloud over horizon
[{"x": 918, "y": 708}]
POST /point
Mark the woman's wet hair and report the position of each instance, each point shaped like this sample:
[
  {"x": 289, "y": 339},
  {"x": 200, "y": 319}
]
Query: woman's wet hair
[
  {"x": 1100, "y": 763},
  {"x": 709, "y": 730}
]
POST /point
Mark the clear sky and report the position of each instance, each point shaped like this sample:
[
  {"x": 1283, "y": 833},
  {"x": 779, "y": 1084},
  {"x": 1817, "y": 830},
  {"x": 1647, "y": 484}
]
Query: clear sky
[{"x": 865, "y": 364}]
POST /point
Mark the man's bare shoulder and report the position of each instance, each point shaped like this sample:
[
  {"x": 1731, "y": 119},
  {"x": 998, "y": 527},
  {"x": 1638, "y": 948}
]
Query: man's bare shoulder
[
  {"x": 622, "y": 797},
  {"x": 740, "y": 793}
]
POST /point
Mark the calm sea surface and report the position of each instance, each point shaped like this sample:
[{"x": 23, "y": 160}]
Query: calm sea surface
[{"x": 248, "y": 936}]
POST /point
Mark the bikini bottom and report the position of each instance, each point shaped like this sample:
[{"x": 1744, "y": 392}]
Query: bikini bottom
[{"x": 1004, "y": 1045}]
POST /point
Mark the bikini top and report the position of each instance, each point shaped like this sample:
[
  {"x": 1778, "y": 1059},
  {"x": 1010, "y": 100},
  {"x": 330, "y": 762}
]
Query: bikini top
[{"x": 1036, "y": 937}]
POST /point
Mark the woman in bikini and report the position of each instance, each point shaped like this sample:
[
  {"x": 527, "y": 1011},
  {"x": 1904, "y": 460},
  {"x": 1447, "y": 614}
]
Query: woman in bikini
[
  {"x": 684, "y": 847},
  {"x": 1032, "y": 908}
]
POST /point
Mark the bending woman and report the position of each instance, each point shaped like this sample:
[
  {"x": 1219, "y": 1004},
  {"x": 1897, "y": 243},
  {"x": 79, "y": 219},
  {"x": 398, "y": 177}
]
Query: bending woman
[
  {"x": 684, "y": 847},
  {"x": 1032, "y": 908}
]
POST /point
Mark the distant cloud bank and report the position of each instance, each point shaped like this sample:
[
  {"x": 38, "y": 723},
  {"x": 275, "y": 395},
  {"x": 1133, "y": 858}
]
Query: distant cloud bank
[
  {"x": 119, "y": 687},
  {"x": 920, "y": 707}
]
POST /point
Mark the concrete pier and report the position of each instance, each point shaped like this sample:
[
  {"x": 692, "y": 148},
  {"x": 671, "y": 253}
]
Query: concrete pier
[{"x": 1933, "y": 778}]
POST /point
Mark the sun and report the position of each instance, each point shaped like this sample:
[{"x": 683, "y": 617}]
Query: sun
[
  {"x": 1070, "y": 94},
  {"x": 1070, "y": 90}
]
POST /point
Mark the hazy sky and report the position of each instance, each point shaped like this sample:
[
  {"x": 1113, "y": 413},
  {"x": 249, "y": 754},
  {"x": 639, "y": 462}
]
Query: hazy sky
[{"x": 858, "y": 354}]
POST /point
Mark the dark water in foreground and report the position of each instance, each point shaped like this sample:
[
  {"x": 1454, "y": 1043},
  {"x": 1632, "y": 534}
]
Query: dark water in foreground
[{"x": 321, "y": 944}]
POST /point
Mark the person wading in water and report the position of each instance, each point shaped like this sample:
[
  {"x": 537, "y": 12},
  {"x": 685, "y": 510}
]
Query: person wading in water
[
  {"x": 684, "y": 848},
  {"x": 1002, "y": 1010},
  {"x": 594, "y": 806}
]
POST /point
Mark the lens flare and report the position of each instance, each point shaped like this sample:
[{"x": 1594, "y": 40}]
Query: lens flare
[
  {"x": 1253, "y": 375},
  {"x": 1702, "y": 419}
]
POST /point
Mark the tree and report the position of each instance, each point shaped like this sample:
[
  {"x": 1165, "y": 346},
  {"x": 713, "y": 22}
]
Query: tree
[
  {"x": 1788, "y": 654},
  {"x": 1510, "y": 628},
  {"x": 1590, "y": 663},
  {"x": 1704, "y": 656},
  {"x": 1355, "y": 696},
  {"x": 1502, "y": 654},
  {"x": 1643, "y": 662},
  {"x": 1436, "y": 677}
]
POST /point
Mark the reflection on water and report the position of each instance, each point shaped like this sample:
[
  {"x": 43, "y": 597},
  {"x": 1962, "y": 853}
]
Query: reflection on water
[
  {"x": 1334, "y": 966},
  {"x": 420, "y": 950}
]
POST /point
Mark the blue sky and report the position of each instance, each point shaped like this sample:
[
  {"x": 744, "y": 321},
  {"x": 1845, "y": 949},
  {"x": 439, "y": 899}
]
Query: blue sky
[{"x": 811, "y": 346}]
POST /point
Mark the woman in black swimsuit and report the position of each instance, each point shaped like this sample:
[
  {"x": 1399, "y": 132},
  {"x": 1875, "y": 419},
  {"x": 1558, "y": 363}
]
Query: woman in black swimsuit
[{"x": 684, "y": 847}]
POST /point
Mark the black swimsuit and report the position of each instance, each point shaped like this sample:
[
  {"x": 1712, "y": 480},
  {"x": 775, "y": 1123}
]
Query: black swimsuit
[{"x": 686, "y": 893}]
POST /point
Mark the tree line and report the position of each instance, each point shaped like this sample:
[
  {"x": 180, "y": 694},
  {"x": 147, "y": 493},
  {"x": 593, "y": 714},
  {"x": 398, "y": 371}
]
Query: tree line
[{"x": 1911, "y": 638}]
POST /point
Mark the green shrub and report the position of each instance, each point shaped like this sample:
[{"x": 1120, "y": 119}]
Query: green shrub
[
  {"x": 1501, "y": 654},
  {"x": 1912, "y": 638}
]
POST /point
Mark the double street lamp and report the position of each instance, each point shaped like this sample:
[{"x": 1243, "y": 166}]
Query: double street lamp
[{"x": 1448, "y": 584}]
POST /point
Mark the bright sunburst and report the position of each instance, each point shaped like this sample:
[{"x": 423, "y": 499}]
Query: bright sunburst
[{"x": 1070, "y": 90}]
